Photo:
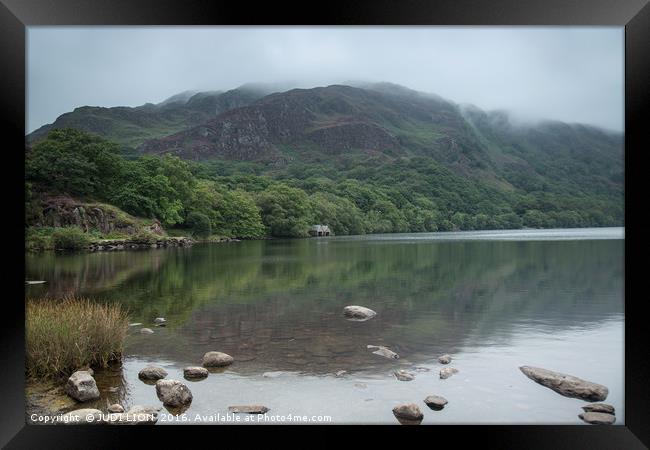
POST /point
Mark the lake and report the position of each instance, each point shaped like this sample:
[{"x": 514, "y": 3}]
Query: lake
[{"x": 493, "y": 300}]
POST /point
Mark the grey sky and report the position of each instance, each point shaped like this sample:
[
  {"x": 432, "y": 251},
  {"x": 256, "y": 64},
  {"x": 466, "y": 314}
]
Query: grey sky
[{"x": 574, "y": 74}]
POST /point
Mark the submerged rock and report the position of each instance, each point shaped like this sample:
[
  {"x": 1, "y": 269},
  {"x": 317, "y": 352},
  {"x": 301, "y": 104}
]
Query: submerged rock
[
  {"x": 383, "y": 351},
  {"x": 195, "y": 372},
  {"x": 152, "y": 373},
  {"x": 444, "y": 359},
  {"x": 598, "y": 418},
  {"x": 82, "y": 416},
  {"x": 435, "y": 402},
  {"x": 447, "y": 372},
  {"x": 599, "y": 407},
  {"x": 217, "y": 359},
  {"x": 340, "y": 373},
  {"x": 408, "y": 414},
  {"x": 248, "y": 409},
  {"x": 275, "y": 374},
  {"x": 82, "y": 386},
  {"x": 116, "y": 408},
  {"x": 173, "y": 393},
  {"x": 358, "y": 312},
  {"x": 146, "y": 331},
  {"x": 567, "y": 385},
  {"x": 403, "y": 375}
]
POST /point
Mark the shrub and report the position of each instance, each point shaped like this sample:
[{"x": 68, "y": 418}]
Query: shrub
[
  {"x": 63, "y": 335},
  {"x": 37, "y": 239},
  {"x": 69, "y": 238},
  {"x": 200, "y": 225}
]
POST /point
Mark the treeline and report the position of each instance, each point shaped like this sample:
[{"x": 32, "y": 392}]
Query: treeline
[{"x": 248, "y": 200}]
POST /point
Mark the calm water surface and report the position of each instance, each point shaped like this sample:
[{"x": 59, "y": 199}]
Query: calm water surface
[{"x": 494, "y": 300}]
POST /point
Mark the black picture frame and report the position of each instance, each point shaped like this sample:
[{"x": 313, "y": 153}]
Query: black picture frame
[{"x": 634, "y": 15}]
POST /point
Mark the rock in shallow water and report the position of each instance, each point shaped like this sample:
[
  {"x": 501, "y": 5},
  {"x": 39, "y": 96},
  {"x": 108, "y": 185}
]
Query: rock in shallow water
[
  {"x": 146, "y": 331},
  {"x": 598, "y": 418},
  {"x": 444, "y": 359},
  {"x": 152, "y": 373},
  {"x": 435, "y": 402},
  {"x": 358, "y": 312},
  {"x": 195, "y": 372},
  {"x": 447, "y": 372},
  {"x": 81, "y": 386},
  {"x": 248, "y": 409},
  {"x": 383, "y": 351},
  {"x": 403, "y": 375},
  {"x": 159, "y": 320},
  {"x": 173, "y": 393},
  {"x": 566, "y": 385},
  {"x": 115, "y": 408},
  {"x": 217, "y": 359},
  {"x": 408, "y": 414},
  {"x": 599, "y": 407}
]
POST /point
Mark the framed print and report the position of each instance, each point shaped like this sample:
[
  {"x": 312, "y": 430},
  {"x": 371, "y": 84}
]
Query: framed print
[{"x": 378, "y": 215}]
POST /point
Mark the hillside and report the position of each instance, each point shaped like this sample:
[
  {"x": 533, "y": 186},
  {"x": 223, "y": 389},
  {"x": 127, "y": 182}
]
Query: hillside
[
  {"x": 368, "y": 158},
  {"x": 130, "y": 127}
]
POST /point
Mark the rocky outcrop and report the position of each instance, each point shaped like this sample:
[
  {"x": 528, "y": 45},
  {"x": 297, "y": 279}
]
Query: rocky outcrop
[
  {"x": 82, "y": 386},
  {"x": 408, "y": 414},
  {"x": 109, "y": 245},
  {"x": 567, "y": 385},
  {"x": 358, "y": 312},
  {"x": 173, "y": 393},
  {"x": 217, "y": 359}
]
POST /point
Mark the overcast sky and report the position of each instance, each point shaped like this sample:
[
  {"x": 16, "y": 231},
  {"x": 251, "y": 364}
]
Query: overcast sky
[{"x": 573, "y": 74}]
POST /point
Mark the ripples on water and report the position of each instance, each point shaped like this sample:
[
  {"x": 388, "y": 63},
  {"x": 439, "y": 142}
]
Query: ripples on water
[{"x": 495, "y": 300}]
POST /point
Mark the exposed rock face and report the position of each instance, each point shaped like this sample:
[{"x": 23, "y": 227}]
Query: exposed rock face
[
  {"x": 249, "y": 409},
  {"x": 85, "y": 416},
  {"x": 598, "y": 418},
  {"x": 408, "y": 414},
  {"x": 444, "y": 359},
  {"x": 447, "y": 372},
  {"x": 383, "y": 351},
  {"x": 195, "y": 372},
  {"x": 173, "y": 393},
  {"x": 217, "y": 359},
  {"x": 358, "y": 312},
  {"x": 599, "y": 407},
  {"x": 82, "y": 387},
  {"x": 567, "y": 385},
  {"x": 403, "y": 375},
  {"x": 152, "y": 373},
  {"x": 435, "y": 402}
]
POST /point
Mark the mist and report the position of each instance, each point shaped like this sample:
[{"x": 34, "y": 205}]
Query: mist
[{"x": 572, "y": 74}]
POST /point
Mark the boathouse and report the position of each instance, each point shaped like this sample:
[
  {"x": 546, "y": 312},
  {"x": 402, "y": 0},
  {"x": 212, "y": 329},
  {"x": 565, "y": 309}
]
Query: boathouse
[{"x": 319, "y": 230}]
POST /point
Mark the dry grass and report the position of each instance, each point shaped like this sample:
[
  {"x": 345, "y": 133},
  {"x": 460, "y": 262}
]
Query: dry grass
[{"x": 63, "y": 335}]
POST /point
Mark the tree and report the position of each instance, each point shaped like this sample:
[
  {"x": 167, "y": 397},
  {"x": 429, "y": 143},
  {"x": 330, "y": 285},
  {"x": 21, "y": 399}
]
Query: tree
[
  {"x": 199, "y": 224},
  {"x": 285, "y": 211}
]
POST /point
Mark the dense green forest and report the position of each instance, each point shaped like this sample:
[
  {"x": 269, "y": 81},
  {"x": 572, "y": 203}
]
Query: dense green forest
[{"x": 353, "y": 194}]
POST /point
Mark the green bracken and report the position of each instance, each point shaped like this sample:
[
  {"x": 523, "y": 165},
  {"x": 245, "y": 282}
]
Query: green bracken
[{"x": 63, "y": 335}]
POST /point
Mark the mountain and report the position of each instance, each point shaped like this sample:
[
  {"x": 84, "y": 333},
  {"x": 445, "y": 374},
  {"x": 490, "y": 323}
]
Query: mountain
[
  {"x": 131, "y": 126},
  {"x": 390, "y": 121}
]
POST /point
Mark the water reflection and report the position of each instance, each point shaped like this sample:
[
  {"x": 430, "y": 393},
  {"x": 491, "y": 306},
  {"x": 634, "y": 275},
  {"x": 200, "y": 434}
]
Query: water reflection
[{"x": 277, "y": 305}]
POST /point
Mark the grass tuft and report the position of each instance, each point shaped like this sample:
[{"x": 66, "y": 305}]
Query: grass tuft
[{"x": 63, "y": 335}]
